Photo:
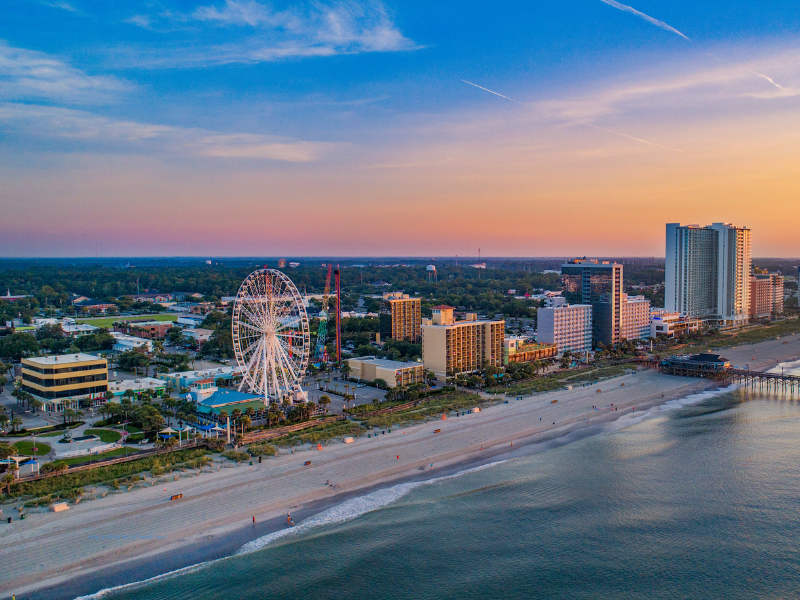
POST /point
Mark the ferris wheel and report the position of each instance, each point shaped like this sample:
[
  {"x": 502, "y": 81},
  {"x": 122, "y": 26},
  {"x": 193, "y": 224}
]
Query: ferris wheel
[{"x": 271, "y": 336}]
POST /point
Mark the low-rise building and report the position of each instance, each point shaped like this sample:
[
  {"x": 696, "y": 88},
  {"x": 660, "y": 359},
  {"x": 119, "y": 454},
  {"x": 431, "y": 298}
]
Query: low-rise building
[
  {"x": 125, "y": 343},
  {"x": 568, "y": 327},
  {"x": 77, "y": 330},
  {"x": 190, "y": 320},
  {"x": 156, "y": 387},
  {"x": 519, "y": 349},
  {"x": 96, "y": 306},
  {"x": 201, "y": 336},
  {"x": 450, "y": 347},
  {"x": 228, "y": 401},
  {"x": 151, "y": 330},
  {"x": 65, "y": 381},
  {"x": 9, "y": 298},
  {"x": 185, "y": 379},
  {"x": 670, "y": 324},
  {"x": 393, "y": 372}
]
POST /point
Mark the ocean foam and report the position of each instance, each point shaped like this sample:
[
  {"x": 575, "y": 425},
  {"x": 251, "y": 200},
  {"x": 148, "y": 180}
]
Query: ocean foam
[
  {"x": 341, "y": 513},
  {"x": 355, "y": 507}
]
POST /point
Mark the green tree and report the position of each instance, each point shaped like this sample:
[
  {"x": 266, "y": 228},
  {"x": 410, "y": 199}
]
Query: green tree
[
  {"x": 380, "y": 384},
  {"x": 325, "y": 401},
  {"x": 3, "y": 382},
  {"x": 346, "y": 370},
  {"x": 6, "y": 450},
  {"x": 18, "y": 345},
  {"x": 8, "y": 479}
]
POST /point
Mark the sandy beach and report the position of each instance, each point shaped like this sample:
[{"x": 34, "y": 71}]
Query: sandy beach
[{"x": 100, "y": 543}]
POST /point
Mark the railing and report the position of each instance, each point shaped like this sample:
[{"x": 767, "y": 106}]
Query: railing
[
  {"x": 386, "y": 411},
  {"x": 268, "y": 434},
  {"x": 114, "y": 461}
]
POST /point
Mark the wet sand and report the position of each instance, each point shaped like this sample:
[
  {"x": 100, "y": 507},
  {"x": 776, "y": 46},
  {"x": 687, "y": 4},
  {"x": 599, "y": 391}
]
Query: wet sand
[{"x": 63, "y": 555}]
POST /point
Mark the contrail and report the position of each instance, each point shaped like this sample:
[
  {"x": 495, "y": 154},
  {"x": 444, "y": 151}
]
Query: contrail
[
  {"x": 648, "y": 18},
  {"x": 490, "y": 91},
  {"x": 663, "y": 25},
  {"x": 770, "y": 79},
  {"x": 625, "y": 135}
]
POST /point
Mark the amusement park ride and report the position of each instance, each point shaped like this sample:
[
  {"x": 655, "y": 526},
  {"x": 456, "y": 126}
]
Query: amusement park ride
[{"x": 271, "y": 337}]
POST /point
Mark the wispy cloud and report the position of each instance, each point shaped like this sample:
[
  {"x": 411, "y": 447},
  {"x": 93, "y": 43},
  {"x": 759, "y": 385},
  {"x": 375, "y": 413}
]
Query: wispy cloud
[
  {"x": 30, "y": 74},
  {"x": 246, "y": 12},
  {"x": 577, "y": 122},
  {"x": 641, "y": 15},
  {"x": 262, "y": 34},
  {"x": 56, "y": 123}
]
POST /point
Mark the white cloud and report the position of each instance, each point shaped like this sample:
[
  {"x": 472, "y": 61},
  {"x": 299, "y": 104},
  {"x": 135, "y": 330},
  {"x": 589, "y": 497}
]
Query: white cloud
[
  {"x": 30, "y": 74},
  {"x": 52, "y": 122},
  {"x": 707, "y": 86},
  {"x": 342, "y": 27}
]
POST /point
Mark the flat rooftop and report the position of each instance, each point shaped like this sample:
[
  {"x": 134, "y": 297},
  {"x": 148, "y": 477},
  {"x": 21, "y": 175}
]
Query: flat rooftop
[
  {"x": 387, "y": 364},
  {"x": 63, "y": 359}
]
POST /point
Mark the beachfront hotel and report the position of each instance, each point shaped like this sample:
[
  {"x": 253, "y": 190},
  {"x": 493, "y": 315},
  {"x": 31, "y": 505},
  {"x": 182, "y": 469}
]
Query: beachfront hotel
[
  {"x": 635, "y": 318},
  {"x": 598, "y": 284},
  {"x": 450, "y": 347},
  {"x": 66, "y": 381},
  {"x": 568, "y": 327},
  {"x": 707, "y": 273}
]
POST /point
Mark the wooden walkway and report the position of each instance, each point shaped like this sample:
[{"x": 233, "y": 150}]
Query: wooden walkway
[{"x": 268, "y": 434}]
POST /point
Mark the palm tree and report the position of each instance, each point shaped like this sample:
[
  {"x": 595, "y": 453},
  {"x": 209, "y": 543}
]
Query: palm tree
[
  {"x": 36, "y": 404},
  {"x": 245, "y": 421},
  {"x": 7, "y": 481},
  {"x": 15, "y": 423},
  {"x": 324, "y": 402},
  {"x": 346, "y": 370}
]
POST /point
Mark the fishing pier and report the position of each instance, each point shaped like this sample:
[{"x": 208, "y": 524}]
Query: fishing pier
[{"x": 714, "y": 366}]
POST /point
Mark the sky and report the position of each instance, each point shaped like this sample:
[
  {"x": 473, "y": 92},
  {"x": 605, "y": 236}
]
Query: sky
[{"x": 368, "y": 128}]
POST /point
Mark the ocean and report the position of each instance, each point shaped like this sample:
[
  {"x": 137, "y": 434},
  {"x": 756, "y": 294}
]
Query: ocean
[{"x": 697, "y": 499}]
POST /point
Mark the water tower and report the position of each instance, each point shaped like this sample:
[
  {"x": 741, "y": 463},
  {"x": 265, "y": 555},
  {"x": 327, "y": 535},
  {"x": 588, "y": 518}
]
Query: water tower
[{"x": 431, "y": 273}]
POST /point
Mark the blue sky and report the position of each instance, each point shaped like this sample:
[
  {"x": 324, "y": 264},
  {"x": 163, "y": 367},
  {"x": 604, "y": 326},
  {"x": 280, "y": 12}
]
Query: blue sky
[{"x": 231, "y": 127}]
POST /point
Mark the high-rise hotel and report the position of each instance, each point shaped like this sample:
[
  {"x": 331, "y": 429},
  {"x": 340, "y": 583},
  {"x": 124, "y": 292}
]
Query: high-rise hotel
[{"x": 708, "y": 272}]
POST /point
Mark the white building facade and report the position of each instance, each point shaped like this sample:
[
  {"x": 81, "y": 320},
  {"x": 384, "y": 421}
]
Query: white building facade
[
  {"x": 568, "y": 327},
  {"x": 708, "y": 272},
  {"x": 635, "y": 318}
]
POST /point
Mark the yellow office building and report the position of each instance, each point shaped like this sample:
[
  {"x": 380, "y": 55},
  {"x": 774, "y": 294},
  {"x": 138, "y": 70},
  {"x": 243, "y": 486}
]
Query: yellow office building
[
  {"x": 450, "y": 347},
  {"x": 66, "y": 381}
]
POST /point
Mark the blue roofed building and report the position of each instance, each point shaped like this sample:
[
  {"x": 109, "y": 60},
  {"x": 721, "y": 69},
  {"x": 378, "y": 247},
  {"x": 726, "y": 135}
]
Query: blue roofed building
[{"x": 229, "y": 400}]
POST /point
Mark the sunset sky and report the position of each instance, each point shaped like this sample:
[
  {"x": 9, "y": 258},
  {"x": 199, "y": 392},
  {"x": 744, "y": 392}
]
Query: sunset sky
[{"x": 348, "y": 128}]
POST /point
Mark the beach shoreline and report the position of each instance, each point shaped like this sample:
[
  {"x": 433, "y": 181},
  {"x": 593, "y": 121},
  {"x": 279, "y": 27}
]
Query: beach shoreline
[{"x": 214, "y": 519}]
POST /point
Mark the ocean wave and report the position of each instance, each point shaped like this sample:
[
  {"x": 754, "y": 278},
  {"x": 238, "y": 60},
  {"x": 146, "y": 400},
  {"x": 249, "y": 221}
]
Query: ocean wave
[
  {"x": 341, "y": 513},
  {"x": 137, "y": 584},
  {"x": 355, "y": 507}
]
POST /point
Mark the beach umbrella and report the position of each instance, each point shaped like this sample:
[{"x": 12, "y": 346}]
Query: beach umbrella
[
  {"x": 217, "y": 428},
  {"x": 168, "y": 430}
]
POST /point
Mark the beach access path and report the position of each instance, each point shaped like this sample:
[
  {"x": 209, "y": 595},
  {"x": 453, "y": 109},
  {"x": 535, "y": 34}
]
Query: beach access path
[{"x": 49, "y": 548}]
